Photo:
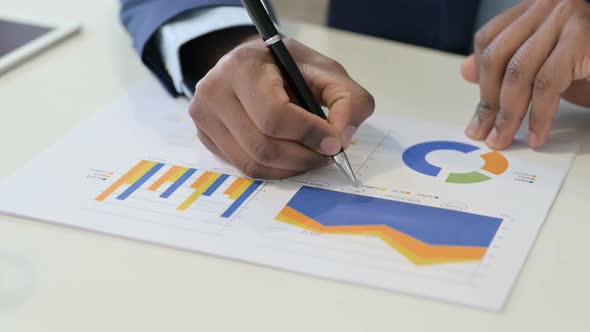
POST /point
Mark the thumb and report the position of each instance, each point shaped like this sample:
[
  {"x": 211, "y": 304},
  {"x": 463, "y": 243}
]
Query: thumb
[
  {"x": 349, "y": 103},
  {"x": 469, "y": 69}
]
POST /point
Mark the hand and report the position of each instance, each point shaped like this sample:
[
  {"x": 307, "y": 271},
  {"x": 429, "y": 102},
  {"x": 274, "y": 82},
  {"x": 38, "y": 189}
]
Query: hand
[
  {"x": 246, "y": 115},
  {"x": 531, "y": 55}
]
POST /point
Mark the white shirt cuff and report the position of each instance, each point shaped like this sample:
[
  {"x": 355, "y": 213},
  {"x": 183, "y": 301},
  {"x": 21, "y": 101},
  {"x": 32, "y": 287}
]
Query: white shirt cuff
[{"x": 186, "y": 27}]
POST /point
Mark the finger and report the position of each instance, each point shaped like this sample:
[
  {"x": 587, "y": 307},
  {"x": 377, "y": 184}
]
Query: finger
[
  {"x": 519, "y": 77},
  {"x": 494, "y": 27},
  {"x": 268, "y": 151},
  {"x": 227, "y": 144},
  {"x": 554, "y": 77},
  {"x": 349, "y": 103},
  {"x": 270, "y": 108},
  {"x": 492, "y": 67},
  {"x": 469, "y": 69},
  {"x": 208, "y": 143}
]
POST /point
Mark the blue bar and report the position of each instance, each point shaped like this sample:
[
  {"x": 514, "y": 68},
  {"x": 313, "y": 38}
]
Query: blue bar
[
  {"x": 216, "y": 185},
  {"x": 140, "y": 182},
  {"x": 178, "y": 183},
  {"x": 236, "y": 205}
]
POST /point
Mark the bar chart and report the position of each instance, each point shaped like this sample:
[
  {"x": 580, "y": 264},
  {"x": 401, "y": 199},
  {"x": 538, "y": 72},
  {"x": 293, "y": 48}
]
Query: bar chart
[{"x": 166, "y": 182}]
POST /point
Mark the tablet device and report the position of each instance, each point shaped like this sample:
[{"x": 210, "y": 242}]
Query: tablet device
[{"x": 21, "y": 39}]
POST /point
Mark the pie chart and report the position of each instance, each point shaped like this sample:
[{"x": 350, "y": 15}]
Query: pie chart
[{"x": 495, "y": 163}]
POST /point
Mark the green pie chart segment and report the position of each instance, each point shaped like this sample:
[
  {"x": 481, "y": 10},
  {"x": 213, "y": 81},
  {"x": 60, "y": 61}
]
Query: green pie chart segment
[{"x": 472, "y": 177}]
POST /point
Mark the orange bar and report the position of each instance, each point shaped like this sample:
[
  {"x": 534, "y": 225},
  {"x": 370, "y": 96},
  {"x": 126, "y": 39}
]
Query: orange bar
[
  {"x": 234, "y": 186},
  {"x": 201, "y": 180},
  {"x": 164, "y": 178},
  {"x": 241, "y": 189},
  {"x": 178, "y": 174},
  {"x": 496, "y": 163},
  {"x": 146, "y": 168},
  {"x": 122, "y": 180},
  {"x": 417, "y": 251},
  {"x": 201, "y": 189}
]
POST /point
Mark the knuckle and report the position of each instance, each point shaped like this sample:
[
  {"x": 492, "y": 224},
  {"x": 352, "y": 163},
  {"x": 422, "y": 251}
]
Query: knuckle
[
  {"x": 252, "y": 169},
  {"x": 485, "y": 110},
  {"x": 542, "y": 82},
  {"x": 205, "y": 87},
  {"x": 514, "y": 71},
  {"x": 333, "y": 64},
  {"x": 241, "y": 55},
  {"x": 547, "y": 3},
  {"x": 368, "y": 98},
  {"x": 210, "y": 145},
  {"x": 488, "y": 57},
  {"x": 265, "y": 152},
  {"x": 575, "y": 28},
  {"x": 271, "y": 75},
  {"x": 481, "y": 39},
  {"x": 270, "y": 125},
  {"x": 564, "y": 9},
  {"x": 196, "y": 110},
  {"x": 503, "y": 117},
  {"x": 567, "y": 6}
]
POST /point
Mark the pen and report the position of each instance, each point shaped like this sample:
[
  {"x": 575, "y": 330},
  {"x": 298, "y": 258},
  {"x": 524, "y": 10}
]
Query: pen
[{"x": 290, "y": 71}]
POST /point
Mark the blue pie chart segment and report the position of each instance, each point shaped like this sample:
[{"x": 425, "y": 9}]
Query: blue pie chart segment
[{"x": 415, "y": 156}]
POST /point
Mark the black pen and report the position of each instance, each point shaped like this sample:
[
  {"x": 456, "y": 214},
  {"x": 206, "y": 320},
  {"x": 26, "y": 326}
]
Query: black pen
[{"x": 291, "y": 73}]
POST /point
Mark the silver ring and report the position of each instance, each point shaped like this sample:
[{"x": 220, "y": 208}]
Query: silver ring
[{"x": 272, "y": 40}]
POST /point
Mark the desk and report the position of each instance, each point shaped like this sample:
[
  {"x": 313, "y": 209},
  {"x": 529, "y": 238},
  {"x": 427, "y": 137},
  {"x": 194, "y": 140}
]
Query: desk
[{"x": 71, "y": 280}]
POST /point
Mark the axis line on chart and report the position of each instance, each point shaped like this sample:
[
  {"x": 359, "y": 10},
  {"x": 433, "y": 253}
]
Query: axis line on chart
[
  {"x": 373, "y": 152},
  {"x": 237, "y": 213}
]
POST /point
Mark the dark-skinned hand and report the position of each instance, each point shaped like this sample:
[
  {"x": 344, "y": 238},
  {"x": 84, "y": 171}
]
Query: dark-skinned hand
[
  {"x": 528, "y": 58},
  {"x": 246, "y": 115}
]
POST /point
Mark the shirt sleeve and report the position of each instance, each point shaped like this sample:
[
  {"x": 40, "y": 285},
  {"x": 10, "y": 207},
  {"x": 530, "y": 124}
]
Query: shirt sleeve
[{"x": 186, "y": 27}]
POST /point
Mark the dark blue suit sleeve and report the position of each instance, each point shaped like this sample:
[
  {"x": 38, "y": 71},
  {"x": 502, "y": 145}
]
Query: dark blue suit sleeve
[
  {"x": 446, "y": 25},
  {"x": 142, "y": 18}
]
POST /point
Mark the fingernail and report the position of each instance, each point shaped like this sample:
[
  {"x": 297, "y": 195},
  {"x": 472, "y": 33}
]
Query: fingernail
[
  {"x": 534, "y": 140},
  {"x": 330, "y": 146},
  {"x": 492, "y": 140},
  {"x": 472, "y": 128},
  {"x": 347, "y": 135}
]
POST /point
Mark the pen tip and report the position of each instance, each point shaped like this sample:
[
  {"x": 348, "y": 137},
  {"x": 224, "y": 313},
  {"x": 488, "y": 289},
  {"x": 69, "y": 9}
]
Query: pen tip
[{"x": 342, "y": 162}]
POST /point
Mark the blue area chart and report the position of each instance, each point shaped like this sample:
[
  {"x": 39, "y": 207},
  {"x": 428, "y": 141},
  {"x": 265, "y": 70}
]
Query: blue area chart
[{"x": 424, "y": 234}]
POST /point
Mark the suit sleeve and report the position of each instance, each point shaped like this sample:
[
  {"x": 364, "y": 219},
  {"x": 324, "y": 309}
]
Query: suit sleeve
[{"x": 142, "y": 18}]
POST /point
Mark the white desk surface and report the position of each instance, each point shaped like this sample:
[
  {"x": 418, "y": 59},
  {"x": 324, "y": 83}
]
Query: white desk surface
[{"x": 71, "y": 280}]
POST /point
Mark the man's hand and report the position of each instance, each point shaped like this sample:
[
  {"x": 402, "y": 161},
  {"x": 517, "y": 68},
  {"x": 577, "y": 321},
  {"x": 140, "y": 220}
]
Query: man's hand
[
  {"x": 529, "y": 56},
  {"x": 246, "y": 115}
]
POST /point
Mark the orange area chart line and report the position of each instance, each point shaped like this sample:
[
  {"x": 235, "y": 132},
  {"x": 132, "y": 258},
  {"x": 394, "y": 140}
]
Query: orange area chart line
[{"x": 417, "y": 251}]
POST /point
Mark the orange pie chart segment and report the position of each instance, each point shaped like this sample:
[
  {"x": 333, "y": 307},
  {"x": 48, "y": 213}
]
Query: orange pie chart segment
[{"x": 496, "y": 163}]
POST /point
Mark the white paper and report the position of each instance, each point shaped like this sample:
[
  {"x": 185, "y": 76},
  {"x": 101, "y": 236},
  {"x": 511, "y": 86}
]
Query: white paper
[{"x": 466, "y": 243}]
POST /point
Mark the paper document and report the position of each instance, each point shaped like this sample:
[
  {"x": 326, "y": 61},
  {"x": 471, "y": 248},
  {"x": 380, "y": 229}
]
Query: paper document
[{"x": 436, "y": 215}]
